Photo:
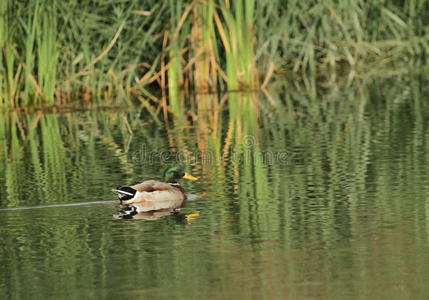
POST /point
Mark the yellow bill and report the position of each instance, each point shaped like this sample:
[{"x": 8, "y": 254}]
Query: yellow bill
[{"x": 190, "y": 177}]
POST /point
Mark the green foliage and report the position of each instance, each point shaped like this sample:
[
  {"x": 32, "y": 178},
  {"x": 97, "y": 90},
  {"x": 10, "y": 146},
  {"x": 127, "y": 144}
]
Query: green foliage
[
  {"x": 309, "y": 35},
  {"x": 46, "y": 43},
  {"x": 55, "y": 52}
]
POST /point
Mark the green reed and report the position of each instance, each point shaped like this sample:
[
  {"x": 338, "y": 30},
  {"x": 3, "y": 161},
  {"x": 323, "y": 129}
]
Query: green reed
[
  {"x": 48, "y": 52},
  {"x": 116, "y": 52},
  {"x": 3, "y": 28},
  {"x": 335, "y": 34},
  {"x": 53, "y": 53},
  {"x": 238, "y": 42},
  {"x": 200, "y": 34}
]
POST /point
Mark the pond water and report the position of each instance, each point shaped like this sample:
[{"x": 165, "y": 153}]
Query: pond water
[{"x": 326, "y": 198}]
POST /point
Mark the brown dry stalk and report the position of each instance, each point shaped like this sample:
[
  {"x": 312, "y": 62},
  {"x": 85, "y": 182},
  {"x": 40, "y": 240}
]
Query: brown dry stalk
[
  {"x": 182, "y": 20},
  {"x": 37, "y": 87},
  {"x": 268, "y": 76},
  {"x": 163, "y": 75},
  {"x": 98, "y": 58}
]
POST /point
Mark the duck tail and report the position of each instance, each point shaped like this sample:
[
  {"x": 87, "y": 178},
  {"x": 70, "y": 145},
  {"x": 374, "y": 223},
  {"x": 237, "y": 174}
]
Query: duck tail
[{"x": 125, "y": 193}]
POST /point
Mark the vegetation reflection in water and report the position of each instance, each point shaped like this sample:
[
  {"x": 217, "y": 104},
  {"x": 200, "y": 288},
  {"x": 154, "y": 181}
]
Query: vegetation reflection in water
[{"x": 322, "y": 194}]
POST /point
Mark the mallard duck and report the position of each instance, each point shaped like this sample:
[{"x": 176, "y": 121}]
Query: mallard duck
[{"x": 151, "y": 195}]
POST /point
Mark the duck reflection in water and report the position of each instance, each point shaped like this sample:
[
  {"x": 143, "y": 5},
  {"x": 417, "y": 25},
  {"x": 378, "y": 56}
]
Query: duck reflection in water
[
  {"x": 134, "y": 211},
  {"x": 153, "y": 199}
]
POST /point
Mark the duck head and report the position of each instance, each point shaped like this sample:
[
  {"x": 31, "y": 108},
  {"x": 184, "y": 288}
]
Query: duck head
[{"x": 175, "y": 173}]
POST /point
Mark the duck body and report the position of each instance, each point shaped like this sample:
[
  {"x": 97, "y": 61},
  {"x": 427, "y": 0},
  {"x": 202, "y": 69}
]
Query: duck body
[
  {"x": 152, "y": 195},
  {"x": 155, "y": 195}
]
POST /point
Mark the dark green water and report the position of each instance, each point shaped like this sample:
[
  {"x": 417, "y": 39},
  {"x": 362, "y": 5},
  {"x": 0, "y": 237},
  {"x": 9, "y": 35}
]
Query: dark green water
[{"x": 328, "y": 199}]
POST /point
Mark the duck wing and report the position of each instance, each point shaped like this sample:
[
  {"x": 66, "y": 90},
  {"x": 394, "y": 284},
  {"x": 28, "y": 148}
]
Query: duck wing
[
  {"x": 129, "y": 192},
  {"x": 151, "y": 186}
]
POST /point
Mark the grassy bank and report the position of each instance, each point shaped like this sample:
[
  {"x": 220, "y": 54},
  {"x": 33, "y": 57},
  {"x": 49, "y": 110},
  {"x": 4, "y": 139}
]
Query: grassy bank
[{"x": 115, "y": 52}]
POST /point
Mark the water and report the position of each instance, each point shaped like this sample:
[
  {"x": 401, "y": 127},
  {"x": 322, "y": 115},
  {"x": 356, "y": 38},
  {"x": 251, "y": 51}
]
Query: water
[{"x": 328, "y": 202}]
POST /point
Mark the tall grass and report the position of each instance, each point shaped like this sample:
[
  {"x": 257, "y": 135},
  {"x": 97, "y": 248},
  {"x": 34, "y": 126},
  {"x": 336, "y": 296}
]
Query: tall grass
[
  {"x": 59, "y": 52},
  {"x": 118, "y": 51},
  {"x": 211, "y": 48},
  {"x": 314, "y": 35}
]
